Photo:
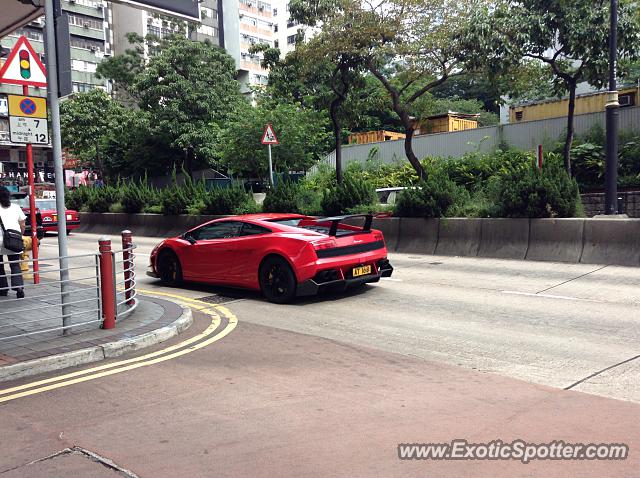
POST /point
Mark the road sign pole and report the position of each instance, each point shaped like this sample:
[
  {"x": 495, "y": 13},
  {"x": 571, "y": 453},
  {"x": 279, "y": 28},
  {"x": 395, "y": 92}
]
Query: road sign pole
[
  {"x": 270, "y": 168},
  {"x": 54, "y": 104},
  {"x": 32, "y": 204}
]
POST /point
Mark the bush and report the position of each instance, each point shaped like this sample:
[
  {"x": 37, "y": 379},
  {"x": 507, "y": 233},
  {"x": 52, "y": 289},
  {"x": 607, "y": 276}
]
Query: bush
[
  {"x": 285, "y": 197},
  {"x": 231, "y": 200},
  {"x": 538, "y": 194},
  {"x": 103, "y": 198},
  {"x": 174, "y": 201},
  {"x": 353, "y": 192},
  {"x": 438, "y": 196},
  {"x": 76, "y": 198},
  {"x": 137, "y": 196}
]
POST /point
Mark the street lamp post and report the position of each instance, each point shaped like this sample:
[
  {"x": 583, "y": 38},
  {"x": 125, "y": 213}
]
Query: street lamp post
[{"x": 611, "y": 168}]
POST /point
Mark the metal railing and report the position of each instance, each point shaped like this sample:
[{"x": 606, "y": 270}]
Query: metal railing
[{"x": 99, "y": 290}]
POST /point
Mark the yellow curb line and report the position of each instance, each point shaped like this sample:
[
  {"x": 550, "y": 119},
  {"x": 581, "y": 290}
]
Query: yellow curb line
[{"x": 137, "y": 362}]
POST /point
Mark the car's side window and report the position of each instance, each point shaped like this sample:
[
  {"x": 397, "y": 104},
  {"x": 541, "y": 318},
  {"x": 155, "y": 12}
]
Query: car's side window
[
  {"x": 217, "y": 230},
  {"x": 253, "y": 229}
]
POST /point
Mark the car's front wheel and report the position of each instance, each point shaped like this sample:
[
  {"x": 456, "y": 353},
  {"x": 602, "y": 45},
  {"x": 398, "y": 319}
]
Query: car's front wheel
[
  {"x": 277, "y": 280},
  {"x": 169, "y": 268}
]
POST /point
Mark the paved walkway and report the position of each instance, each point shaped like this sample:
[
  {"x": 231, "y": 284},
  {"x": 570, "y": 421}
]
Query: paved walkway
[{"x": 40, "y": 312}]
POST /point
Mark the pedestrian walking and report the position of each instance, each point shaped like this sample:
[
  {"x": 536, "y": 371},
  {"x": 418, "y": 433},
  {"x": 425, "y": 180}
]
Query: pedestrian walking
[{"x": 12, "y": 219}]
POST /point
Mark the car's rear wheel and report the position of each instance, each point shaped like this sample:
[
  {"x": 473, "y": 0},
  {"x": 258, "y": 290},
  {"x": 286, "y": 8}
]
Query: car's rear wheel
[
  {"x": 277, "y": 280},
  {"x": 169, "y": 268},
  {"x": 68, "y": 232}
]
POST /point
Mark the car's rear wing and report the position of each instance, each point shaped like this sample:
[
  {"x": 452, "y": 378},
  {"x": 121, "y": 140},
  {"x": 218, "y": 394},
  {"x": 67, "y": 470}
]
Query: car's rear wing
[{"x": 336, "y": 220}]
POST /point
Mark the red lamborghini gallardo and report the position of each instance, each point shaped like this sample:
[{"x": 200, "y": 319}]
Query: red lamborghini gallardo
[{"x": 283, "y": 255}]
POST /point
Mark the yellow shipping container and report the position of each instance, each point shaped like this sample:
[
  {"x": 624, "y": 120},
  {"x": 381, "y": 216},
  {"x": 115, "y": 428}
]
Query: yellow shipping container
[
  {"x": 589, "y": 103},
  {"x": 374, "y": 137}
]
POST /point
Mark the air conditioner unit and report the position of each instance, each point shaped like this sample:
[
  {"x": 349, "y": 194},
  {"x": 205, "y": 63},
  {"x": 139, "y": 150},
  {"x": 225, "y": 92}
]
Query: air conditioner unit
[
  {"x": 93, "y": 48},
  {"x": 85, "y": 25},
  {"x": 40, "y": 164},
  {"x": 72, "y": 2},
  {"x": 625, "y": 100},
  {"x": 22, "y": 165}
]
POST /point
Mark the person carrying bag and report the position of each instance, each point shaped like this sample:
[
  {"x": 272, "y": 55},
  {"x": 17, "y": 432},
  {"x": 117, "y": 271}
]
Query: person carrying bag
[{"x": 12, "y": 225}]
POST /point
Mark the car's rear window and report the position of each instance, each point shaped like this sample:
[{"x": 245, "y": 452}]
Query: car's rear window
[
  {"x": 287, "y": 222},
  {"x": 46, "y": 204}
]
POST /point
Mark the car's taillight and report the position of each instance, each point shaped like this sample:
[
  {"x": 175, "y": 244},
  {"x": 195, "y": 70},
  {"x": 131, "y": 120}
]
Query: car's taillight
[
  {"x": 327, "y": 243},
  {"x": 377, "y": 235}
]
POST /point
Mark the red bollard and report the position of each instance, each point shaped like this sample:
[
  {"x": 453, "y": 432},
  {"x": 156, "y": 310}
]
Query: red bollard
[
  {"x": 107, "y": 286},
  {"x": 127, "y": 265}
]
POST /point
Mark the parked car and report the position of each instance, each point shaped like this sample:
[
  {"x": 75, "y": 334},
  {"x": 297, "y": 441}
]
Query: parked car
[
  {"x": 22, "y": 199},
  {"x": 282, "y": 255},
  {"x": 50, "y": 216},
  {"x": 388, "y": 196}
]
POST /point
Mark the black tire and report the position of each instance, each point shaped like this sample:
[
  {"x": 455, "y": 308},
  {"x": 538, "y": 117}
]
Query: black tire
[
  {"x": 68, "y": 232},
  {"x": 169, "y": 268},
  {"x": 277, "y": 280}
]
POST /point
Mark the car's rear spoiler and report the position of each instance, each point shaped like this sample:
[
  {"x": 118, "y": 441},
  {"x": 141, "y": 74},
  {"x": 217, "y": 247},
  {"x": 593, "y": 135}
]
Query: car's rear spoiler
[{"x": 336, "y": 220}]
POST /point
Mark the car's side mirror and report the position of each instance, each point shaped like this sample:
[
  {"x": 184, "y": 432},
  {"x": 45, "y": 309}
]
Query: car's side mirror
[{"x": 190, "y": 238}]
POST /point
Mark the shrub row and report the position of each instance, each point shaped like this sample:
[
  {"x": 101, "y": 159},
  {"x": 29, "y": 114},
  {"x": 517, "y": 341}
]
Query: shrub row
[{"x": 503, "y": 184}]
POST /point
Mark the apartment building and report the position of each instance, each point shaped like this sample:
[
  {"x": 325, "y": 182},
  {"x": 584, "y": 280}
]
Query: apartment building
[
  {"x": 91, "y": 40},
  {"x": 127, "y": 19}
]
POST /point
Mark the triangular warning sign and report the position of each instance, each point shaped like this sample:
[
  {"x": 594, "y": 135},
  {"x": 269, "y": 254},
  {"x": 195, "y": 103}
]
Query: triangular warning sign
[
  {"x": 23, "y": 66},
  {"x": 269, "y": 135}
]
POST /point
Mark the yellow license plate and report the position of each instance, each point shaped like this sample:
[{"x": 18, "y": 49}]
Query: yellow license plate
[
  {"x": 55, "y": 217},
  {"x": 361, "y": 271}
]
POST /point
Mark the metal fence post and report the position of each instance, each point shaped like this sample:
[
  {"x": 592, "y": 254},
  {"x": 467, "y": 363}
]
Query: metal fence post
[
  {"x": 107, "y": 289},
  {"x": 127, "y": 265}
]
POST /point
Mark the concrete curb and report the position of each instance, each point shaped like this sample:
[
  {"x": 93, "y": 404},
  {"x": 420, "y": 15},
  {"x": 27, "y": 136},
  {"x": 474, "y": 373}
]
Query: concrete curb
[{"x": 99, "y": 352}]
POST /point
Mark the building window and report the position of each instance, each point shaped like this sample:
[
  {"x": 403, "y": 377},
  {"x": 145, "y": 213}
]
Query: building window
[
  {"x": 275, "y": 28},
  {"x": 275, "y": 12},
  {"x": 277, "y": 44},
  {"x": 85, "y": 21},
  {"x": 291, "y": 24},
  {"x": 84, "y": 66},
  {"x": 86, "y": 43},
  {"x": 247, "y": 20},
  {"x": 291, "y": 39},
  {"x": 208, "y": 30},
  {"x": 518, "y": 115},
  {"x": 209, "y": 13},
  {"x": 264, "y": 6},
  {"x": 82, "y": 87},
  {"x": 88, "y": 3},
  {"x": 35, "y": 35},
  {"x": 626, "y": 99}
]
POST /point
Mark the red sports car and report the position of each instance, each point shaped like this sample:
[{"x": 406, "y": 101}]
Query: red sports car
[
  {"x": 283, "y": 255},
  {"x": 49, "y": 213}
]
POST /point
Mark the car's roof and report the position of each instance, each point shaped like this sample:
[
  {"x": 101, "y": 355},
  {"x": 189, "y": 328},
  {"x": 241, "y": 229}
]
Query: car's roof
[{"x": 266, "y": 216}]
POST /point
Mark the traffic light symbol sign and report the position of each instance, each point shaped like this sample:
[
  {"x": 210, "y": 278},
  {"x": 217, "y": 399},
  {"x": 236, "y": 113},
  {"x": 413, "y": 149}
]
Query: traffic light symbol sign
[{"x": 25, "y": 64}]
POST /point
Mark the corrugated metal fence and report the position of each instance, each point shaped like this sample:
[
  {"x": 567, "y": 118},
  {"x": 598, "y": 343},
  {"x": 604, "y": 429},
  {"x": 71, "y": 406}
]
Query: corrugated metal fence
[{"x": 525, "y": 136}]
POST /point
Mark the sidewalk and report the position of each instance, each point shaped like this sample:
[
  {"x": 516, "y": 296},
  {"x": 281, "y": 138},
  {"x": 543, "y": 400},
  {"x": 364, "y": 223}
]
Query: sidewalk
[{"x": 153, "y": 321}]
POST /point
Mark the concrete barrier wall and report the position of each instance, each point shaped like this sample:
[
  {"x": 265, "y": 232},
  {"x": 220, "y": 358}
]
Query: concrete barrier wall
[
  {"x": 589, "y": 241},
  {"x": 416, "y": 235},
  {"x": 504, "y": 238},
  {"x": 557, "y": 240},
  {"x": 458, "y": 237},
  {"x": 612, "y": 241}
]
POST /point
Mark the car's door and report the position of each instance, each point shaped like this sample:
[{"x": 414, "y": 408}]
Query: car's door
[
  {"x": 248, "y": 252},
  {"x": 212, "y": 253}
]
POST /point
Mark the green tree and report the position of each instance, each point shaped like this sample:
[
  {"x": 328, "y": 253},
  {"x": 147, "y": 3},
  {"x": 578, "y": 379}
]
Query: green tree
[
  {"x": 189, "y": 90},
  {"x": 302, "y": 135},
  {"x": 570, "y": 37},
  {"x": 410, "y": 46},
  {"x": 122, "y": 69},
  {"x": 84, "y": 121}
]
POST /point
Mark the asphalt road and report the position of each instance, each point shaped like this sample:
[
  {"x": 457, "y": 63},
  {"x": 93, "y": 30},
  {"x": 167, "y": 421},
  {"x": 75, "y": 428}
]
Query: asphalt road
[
  {"x": 547, "y": 323},
  {"x": 448, "y": 348}
]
